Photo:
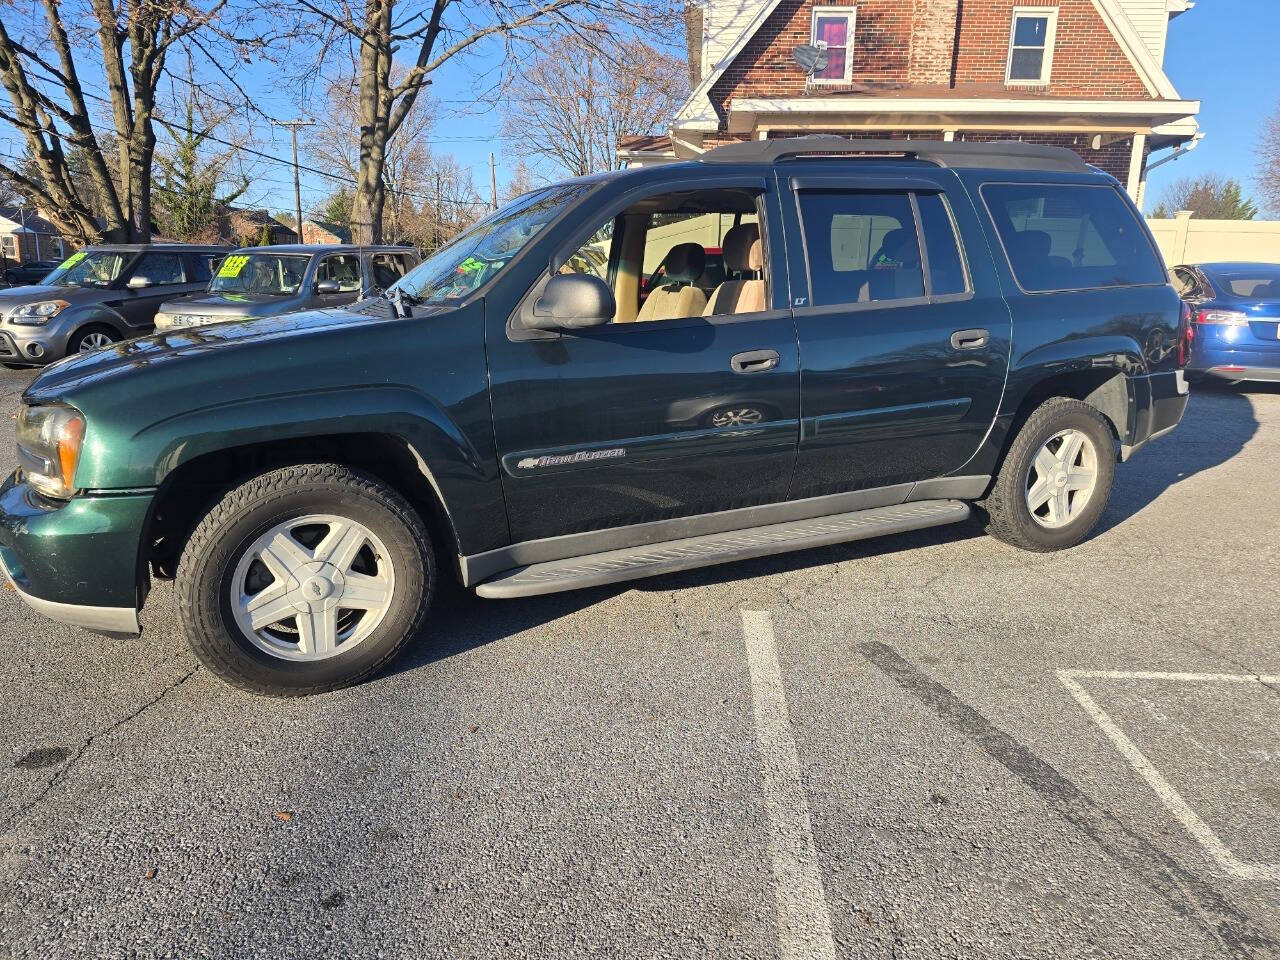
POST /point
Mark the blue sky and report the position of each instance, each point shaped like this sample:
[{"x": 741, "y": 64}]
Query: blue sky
[{"x": 1222, "y": 53}]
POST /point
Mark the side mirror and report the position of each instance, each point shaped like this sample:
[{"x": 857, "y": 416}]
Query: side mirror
[
  {"x": 138, "y": 283},
  {"x": 328, "y": 286},
  {"x": 572, "y": 301}
]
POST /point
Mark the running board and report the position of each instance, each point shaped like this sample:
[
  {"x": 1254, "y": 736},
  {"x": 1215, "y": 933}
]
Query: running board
[{"x": 654, "y": 559}]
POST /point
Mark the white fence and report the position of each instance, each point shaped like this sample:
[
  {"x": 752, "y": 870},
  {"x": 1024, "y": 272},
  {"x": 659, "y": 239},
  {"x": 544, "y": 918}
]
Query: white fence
[{"x": 1185, "y": 239}]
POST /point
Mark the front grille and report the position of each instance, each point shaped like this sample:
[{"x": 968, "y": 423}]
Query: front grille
[{"x": 7, "y": 349}]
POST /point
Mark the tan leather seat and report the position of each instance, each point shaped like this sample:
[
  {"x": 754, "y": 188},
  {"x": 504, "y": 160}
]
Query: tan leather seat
[
  {"x": 742, "y": 254},
  {"x": 677, "y": 297}
]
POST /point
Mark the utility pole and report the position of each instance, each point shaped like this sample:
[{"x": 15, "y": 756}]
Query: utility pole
[
  {"x": 493, "y": 180},
  {"x": 293, "y": 126}
]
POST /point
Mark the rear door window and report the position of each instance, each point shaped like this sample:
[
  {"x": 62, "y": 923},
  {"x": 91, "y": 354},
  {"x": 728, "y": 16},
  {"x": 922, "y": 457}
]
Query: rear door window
[
  {"x": 1071, "y": 237},
  {"x": 387, "y": 269},
  {"x": 946, "y": 265},
  {"x": 862, "y": 246}
]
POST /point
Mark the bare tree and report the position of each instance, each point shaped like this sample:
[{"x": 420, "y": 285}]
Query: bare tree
[
  {"x": 126, "y": 43},
  {"x": 408, "y": 169},
  {"x": 1269, "y": 162},
  {"x": 433, "y": 33},
  {"x": 1209, "y": 196},
  {"x": 520, "y": 182},
  {"x": 573, "y": 103}
]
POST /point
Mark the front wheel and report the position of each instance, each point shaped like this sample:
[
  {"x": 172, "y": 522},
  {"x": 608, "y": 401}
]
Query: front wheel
[
  {"x": 305, "y": 579},
  {"x": 90, "y": 339},
  {"x": 1055, "y": 480}
]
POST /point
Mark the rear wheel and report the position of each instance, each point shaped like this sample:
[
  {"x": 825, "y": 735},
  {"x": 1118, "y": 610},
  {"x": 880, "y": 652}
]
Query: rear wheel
[
  {"x": 305, "y": 579},
  {"x": 1056, "y": 478}
]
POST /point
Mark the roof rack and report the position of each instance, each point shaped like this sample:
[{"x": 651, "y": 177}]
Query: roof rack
[{"x": 998, "y": 154}]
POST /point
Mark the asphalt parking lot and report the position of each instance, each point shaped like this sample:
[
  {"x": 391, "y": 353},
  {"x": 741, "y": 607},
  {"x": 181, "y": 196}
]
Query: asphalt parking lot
[{"x": 930, "y": 746}]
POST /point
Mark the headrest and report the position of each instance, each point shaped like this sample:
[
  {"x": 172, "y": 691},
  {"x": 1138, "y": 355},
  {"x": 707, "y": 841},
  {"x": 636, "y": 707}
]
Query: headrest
[
  {"x": 1034, "y": 244},
  {"x": 684, "y": 263},
  {"x": 898, "y": 247},
  {"x": 741, "y": 246}
]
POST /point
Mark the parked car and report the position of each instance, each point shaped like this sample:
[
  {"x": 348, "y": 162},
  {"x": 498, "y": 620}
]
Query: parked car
[
  {"x": 921, "y": 327},
  {"x": 33, "y": 271},
  {"x": 1236, "y": 309},
  {"x": 96, "y": 297},
  {"x": 268, "y": 281}
]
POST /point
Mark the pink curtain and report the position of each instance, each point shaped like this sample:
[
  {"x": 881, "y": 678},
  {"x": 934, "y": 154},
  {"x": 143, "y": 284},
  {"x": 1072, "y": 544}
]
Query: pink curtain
[{"x": 834, "y": 32}]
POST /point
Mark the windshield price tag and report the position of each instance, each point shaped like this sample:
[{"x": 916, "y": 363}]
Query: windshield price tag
[
  {"x": 72, "y": 260},
  {"x": 232, "y": 266}
]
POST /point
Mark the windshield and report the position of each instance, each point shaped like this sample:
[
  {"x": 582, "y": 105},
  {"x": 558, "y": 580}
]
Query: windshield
[
  {"x": 261, "y": 273},
  {"x": 98, "y": 268},
  {"x": 476, "y": 256},
  {"x": 1261, "y": 282}
]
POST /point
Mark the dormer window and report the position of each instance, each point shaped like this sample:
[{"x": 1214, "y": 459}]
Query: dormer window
[
  {"x": 833, "y": 31},
  {"x": 1031, "y": 46}
]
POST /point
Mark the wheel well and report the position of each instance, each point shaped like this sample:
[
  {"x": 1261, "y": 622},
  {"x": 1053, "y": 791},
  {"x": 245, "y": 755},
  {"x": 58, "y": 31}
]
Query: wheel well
[
  {"x": 1104, "y": 390},
  {"x": 190, "y": 491},
  {"x": 94, "y": 325}
]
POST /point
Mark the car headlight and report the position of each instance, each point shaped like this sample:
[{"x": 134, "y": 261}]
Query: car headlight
[
  {"x": 50, "y": 439},
  {"x": 40, "y": 312}
]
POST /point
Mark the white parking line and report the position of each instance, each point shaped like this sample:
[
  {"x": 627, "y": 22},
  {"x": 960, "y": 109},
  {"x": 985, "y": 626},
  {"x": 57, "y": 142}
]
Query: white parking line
[
  {"x": 1170, "y": 797},
  {"x": 804, "y": 922}
]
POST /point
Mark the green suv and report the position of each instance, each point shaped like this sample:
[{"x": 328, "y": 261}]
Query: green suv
[{"x": 559, "y": 398}]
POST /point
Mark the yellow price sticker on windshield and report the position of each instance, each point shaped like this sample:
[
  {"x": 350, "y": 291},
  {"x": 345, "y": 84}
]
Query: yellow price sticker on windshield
[
  {"x": 232, "y": 266},
  {"x": 72, "y": 260}
]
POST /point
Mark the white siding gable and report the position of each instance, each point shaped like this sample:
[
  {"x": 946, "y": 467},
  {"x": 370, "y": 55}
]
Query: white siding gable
[
  {"x": 1150, "y": 18},
  {"x": 723, "y": 22}
]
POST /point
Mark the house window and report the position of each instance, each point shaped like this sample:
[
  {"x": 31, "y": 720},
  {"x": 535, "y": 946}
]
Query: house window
[
  {"x": 1031, "y": 39},
  {"x": 833, "y": 31}
]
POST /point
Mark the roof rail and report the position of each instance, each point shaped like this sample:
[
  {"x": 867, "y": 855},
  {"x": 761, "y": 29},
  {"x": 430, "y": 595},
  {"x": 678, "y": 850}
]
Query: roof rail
[{"x": 998, "y": 154}]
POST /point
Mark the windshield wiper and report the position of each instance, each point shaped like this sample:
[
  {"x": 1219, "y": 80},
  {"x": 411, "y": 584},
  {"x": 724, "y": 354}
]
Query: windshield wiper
[{"x": 401, "y": 302}]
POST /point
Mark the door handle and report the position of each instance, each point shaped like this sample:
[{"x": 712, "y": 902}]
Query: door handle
[
  {"x": 754, "y": 361},
  {"x": 970, "y": 339}
]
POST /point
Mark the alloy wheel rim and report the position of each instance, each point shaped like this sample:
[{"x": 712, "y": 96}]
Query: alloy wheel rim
[
  {"x": 1062, "y": 478},
  {"x": 312, "y": 587},
  {"x": 94, "y": 341},
  {"x": 738, "y": 417}
]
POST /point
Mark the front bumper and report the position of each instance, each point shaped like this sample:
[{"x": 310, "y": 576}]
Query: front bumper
[
  {"x": 37, "y": 347},
  {"x": 75, "y": 562}
]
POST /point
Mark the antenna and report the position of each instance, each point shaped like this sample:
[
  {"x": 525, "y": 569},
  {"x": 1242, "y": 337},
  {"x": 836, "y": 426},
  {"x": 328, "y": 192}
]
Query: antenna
[{"x": 810, "y": 58}]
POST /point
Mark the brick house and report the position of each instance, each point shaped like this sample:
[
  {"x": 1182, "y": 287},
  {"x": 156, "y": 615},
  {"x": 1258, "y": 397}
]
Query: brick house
[
  {"x": 25, "y": 235},
  {"x": 1084, "y": 74}
]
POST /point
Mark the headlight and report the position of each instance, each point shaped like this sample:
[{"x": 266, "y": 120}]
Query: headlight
[
  {"x": 49, "y": 442},
  {"x": 35, "y": 314}
]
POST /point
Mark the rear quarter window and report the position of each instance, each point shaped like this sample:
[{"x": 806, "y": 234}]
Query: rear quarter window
[{"x": 1071, "y": 237}]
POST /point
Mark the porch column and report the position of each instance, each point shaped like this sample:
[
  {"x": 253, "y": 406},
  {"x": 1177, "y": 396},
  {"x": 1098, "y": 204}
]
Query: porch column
[{"x": 1134, "y": 186}]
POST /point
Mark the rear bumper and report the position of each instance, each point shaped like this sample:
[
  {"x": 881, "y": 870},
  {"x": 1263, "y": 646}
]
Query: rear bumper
[
  {"x": 1158, "y": 402},
  {"x": 1234, "y": 372},
  {"x": 75, "y": 562}
]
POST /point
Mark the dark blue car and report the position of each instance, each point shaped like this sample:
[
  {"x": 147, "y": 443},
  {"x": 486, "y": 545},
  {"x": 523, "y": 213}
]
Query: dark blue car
[{"x": 1236, "y": 309}]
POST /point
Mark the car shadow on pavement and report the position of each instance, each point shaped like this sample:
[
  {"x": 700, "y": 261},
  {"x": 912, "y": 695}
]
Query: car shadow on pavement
[
  {"x": 1218, "y": 423},
  {"x": 460, "y": 621}
]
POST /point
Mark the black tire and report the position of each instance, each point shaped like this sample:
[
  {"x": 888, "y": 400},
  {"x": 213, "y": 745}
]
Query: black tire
[
  {"x": 214, "y": 550},
  {"x": 1009, "y": 518},
  {"x": 77, "y": 339}
]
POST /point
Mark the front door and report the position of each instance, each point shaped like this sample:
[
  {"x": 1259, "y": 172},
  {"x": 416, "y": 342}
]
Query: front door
[
  {"x": 905, "y": 337},
  {"x": 688, "y": 403},
  {"x": 165, "y": 275}
]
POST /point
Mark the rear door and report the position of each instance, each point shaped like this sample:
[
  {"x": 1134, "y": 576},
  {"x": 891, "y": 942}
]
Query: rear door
[
  {"x": 904, "y": 335},
  {"x": 650, "y": 419}
]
